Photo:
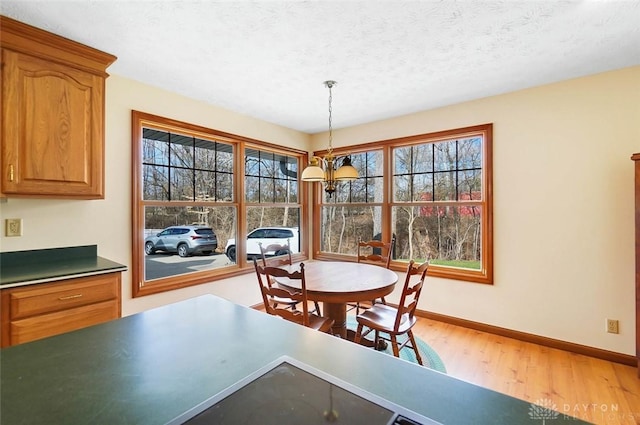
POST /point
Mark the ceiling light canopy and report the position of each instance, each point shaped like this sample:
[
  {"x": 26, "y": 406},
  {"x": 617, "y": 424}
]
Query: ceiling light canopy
[{"x": 324, "y": 169}]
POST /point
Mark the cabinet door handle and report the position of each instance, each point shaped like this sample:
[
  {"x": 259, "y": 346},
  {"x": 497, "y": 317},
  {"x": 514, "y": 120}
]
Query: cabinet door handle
[
  {"x": 69, "y": 297},
  {"x": 11, "y": 172}
]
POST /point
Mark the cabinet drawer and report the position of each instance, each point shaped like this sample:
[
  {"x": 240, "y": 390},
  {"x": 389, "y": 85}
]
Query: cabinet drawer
[
  {"x": 51, "y": 297},
  {"x": 45, "y": 325}
]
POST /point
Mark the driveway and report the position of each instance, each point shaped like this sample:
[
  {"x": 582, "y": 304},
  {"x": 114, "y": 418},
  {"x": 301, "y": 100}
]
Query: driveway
[{"x": 163, "y": 265}]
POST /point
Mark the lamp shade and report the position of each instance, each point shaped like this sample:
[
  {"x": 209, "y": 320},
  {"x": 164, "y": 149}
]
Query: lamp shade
[
  {"x": 313, "y": 173},
  {"x": 347, "y": 171}
]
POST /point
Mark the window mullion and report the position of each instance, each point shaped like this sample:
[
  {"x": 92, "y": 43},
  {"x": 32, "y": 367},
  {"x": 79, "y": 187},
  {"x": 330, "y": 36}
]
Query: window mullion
[{"x": 193, "y": 167}]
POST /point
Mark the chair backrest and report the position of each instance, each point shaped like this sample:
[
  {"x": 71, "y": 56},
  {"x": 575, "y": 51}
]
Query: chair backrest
[
  {"x": 411, "y": 291},
  {"x": 265, "y": 275},
  {"x": 376, "y": 252},
  {"x": 281, "y": 254}
]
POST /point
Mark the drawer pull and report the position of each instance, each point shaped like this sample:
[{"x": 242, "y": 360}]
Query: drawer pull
[{"x": 69, "y": 297}]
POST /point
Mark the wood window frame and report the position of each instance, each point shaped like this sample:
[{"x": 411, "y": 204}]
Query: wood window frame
[
  {"x": 485, "y": 274},
  {"x": 139, "y": 286}
]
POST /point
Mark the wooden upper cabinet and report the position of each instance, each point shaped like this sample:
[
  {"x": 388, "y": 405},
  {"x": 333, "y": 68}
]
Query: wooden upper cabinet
[{"x": 53, "y": 97}]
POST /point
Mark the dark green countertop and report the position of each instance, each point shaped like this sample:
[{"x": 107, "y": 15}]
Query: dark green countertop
[
  {"x": 20, "y": 268},
  {"x": 153, "y": 366}
]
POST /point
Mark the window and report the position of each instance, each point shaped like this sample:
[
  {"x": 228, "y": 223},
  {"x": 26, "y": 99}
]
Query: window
[
  {"x": 189, "y": 224},
  {"x": 436, "y": 203},
  {"x": 280, "y": 234},
  {"x": 272, "y": 198},
  {"x": 354, "y": 212}
]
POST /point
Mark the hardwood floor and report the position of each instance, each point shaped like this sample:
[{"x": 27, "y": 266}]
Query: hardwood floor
[{"x": 591, "y": 389}]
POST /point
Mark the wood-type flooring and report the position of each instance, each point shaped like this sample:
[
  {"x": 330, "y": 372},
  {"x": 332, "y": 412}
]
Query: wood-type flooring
[{"x": 591, "y": 389}]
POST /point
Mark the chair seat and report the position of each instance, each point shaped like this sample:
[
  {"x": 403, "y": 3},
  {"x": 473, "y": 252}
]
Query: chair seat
[
  {"x": 283, "y": 300},
  {"x": 319, "y": 323},
  {"x": 293, "y": 303},
  {"x": 383, "y": 317}
]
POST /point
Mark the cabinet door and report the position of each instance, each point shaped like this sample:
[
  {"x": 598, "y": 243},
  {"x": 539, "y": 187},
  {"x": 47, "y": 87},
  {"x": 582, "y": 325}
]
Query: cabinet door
[{"x": 52, "y": 132}]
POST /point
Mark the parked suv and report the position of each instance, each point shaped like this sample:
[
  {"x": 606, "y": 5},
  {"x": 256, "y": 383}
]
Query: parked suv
[
  {"x": 185, "y": 240},
  {"x": 267, "y": 236}
]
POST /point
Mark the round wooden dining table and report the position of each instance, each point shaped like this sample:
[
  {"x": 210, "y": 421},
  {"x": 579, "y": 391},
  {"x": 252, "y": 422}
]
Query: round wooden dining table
[{"x": 336, "y": 283}]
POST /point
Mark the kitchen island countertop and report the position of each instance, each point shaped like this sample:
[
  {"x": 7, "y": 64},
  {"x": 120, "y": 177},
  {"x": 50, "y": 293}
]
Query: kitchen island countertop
[{"x": 153, "y": 366}]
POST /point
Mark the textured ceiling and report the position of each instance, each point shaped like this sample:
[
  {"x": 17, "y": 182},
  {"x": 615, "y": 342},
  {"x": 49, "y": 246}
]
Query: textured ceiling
[{"x": 268, "y": 59}]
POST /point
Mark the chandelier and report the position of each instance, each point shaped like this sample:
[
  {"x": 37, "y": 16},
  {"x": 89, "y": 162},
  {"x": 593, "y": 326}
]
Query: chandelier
[{"x": 324, "y": 169}]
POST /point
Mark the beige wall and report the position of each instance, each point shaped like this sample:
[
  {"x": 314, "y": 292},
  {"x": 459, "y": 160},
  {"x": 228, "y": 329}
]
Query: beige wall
[{"x": 563, "y": 185}]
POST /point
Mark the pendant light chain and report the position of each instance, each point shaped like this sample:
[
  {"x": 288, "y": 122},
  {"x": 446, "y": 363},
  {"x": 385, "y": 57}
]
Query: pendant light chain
[
  {"x": 330, "y": 84},
  {"x": 326, "y": 169}
]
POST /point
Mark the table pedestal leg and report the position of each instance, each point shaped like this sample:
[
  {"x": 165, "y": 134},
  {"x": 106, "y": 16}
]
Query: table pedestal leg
[{"x": 338, "y": 312}]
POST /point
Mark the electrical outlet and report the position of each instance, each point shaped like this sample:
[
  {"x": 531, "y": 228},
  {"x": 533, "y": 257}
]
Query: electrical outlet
[
  {"x": 612, "y": 326},
  {"x": 13, "y": 227}
]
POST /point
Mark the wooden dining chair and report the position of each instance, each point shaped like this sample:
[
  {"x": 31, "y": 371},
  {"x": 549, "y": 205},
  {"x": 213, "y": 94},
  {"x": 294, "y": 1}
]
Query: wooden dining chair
[
  {"x": 396, "y": 321},
  {"x": 276, "y": 255},
  {"x": 373, "y": 252},
  {"x": 304, "y": 317},
  {"x": 281, "y": 254}
]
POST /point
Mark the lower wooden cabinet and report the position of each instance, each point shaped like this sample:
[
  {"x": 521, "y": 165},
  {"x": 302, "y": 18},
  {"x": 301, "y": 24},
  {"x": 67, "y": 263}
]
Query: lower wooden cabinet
[{"x": 37, "y": 311}]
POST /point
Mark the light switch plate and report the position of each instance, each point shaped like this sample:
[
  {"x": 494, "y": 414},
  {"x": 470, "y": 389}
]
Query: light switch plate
[{"x": 13, "y": 227}]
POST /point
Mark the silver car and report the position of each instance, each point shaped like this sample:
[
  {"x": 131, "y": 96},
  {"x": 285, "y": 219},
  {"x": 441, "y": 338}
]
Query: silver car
[{"x": 185, "y": 240}]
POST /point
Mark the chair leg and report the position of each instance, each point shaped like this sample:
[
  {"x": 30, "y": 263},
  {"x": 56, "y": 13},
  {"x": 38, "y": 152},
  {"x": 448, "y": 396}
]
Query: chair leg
[
  {"x": 317, "y": 306},
  {"x": 415, "y": 347},
  {"x": 394, "y": 345},
  {"x": 358, "y": 336}
]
